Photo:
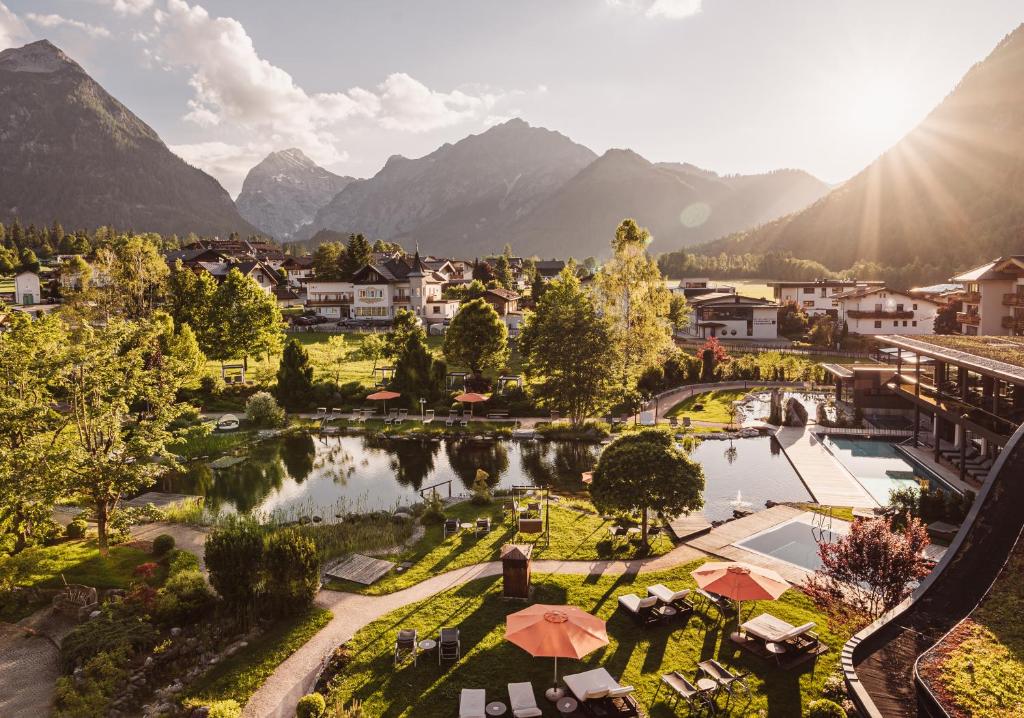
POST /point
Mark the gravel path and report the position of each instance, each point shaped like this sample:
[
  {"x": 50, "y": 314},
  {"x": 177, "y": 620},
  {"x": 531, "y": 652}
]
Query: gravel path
[
  {"x": 30, "y": 663},
  {"x": 295, "y": 676}
]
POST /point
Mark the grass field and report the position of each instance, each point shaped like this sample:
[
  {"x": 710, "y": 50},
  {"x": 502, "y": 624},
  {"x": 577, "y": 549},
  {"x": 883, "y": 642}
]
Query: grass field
[
  {"x": 635, "y": 656},
  {"x": 716, "y": 405}
]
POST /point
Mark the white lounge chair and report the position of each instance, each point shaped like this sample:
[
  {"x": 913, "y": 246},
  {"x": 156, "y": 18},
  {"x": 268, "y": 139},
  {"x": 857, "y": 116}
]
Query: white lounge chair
[
  {"x": 522, "y": 701},
  {"x": 642, "y": 609},
  {"x": 473, "y": 703},
  {"x": 596, "y": 684},
  {"x": 794, "y": 639},
  {"x": 676, "y": 599},
  {"x": 429, "y": 416}
]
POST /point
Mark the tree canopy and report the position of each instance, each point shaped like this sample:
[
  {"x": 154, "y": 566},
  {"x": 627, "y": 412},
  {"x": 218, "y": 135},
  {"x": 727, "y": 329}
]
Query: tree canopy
[
  {"x": 244, "y": 319},
  {"x": 477, "y": 338}
]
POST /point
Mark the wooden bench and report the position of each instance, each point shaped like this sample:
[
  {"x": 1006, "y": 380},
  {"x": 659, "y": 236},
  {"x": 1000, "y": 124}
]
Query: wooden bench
[{"x": 497, "y": 415}]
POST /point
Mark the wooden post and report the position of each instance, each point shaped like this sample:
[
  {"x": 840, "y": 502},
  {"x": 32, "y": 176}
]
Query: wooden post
[{"x": 917, "y": 403}]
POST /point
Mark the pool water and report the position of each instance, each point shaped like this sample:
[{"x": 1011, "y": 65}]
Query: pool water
[
  {"x": 877, "y": 465},
  {"x": 795, "y": 541},
  {"x": 302, "y": 475}
]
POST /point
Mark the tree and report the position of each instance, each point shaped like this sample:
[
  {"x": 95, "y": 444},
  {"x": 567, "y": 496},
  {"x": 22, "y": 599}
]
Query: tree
[
  {"x": 825, "y": 332},
  {"x": 417, "y": 373},
  {"x": 372, "y": 348},
  {"x": 503, "y": 272},
  {"x": 329, "y": 357},
  {"x": 632, "y": 293},
  {"x": 945, "y": 318},
  {"x": 869, "y": 570},
  {"x": 120, "y": 391},
  {"x": 477, "y": 338},
  {"x": 644, "y": 471},
  {"x": 133, "y": 274},
  {"x": 234, "y": 557},
  {"x": 182, "y": 347},
  {"x": 404, "y": 326},
  {"x": 190, "y": 299},
  {"x": 679, "y": 312},
  {"x": 32, "y": 446},
  {"x": 292, "y": 571},
  {"x": 578, "y": 377},
  {"x": 357, "y": 255},
  {"x": 294, "y": 375},
  {"x": 244, "y": 320},
  {"x": 327, "y": 260}
]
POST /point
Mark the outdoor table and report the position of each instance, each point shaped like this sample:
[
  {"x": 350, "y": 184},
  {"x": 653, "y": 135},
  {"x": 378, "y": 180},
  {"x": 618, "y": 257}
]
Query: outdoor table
[
  {"x": 708, "y": 685},
  {"x": 776, "y": 648},
  {"x": 567, "y": 706},
  {"x": 428, "y": 644},
  {"x": 467, "y": 526},
  {"x": 667, "y": 612},
  {"x": 495, "y": 708},
  {"x": 554, "y": 694}
]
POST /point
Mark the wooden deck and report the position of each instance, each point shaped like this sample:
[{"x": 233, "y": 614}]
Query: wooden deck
[
  {"x": 161, "y": 499},
  {"x": 359, "y": 568},
  {"x": 827, "y": 480},
  {"x": 686, "y": 527},
  {"x": 721, "y": 540}
]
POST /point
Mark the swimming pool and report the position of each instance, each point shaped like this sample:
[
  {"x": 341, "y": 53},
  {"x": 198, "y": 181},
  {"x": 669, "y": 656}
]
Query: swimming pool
[
  {"x": 877, "y": 465},
  {"x": 796, "y": 541}
]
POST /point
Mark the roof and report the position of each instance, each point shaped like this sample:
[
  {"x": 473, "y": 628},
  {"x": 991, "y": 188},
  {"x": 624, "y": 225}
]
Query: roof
[
  {"x": 996, "y": 356},
  {"x": 730, "y": 298},
  {"x": 826, "y": 283},
  {"x": 396, "y": 270},
  {"x": 861, "y": 292},
  {"x": 549, "y": 266},
  {"x": 503, "y": 293},
  {"x": 284, "y": 293},
  {"x": 520, "y": 552},
  {"x": 992, "y": 270}
]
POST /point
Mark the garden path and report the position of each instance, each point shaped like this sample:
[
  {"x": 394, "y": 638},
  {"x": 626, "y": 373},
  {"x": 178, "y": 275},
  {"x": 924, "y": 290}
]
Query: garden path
[
  {"x": 294, "y": 677},
  {"x": 30, "y": 663},
  {"x": 186, "y": 538}
]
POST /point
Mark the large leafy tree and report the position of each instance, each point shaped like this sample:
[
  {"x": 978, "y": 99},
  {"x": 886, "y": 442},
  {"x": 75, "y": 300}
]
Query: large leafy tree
[
  {"x": 358, "y": 254},
  {"x": 120, "y": 389},
  {"x": 577, "y": 378},
  {"x": 244, "y": 320},
  {"x": 645, "y": 471},
  {"x": 327, "y": 260},
  {"x": 477, "y": 338},
  {"x": 32, "y": 449},
  {"x": 130, "y": 275},
  {"x": 190, "y": 297},
  {"x": 632, "y": 293},
  {"x": 294, "y": 375},
  {"x": 868, "y": 570}
]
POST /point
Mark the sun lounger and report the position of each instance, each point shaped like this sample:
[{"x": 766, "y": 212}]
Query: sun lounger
[
  {"x": 406, "y": 645},
  {"x": 473, "y": 703},
  {"x": 676, "y": 599},
  {"x": 449, "y": 646},
  {"x": 402, "y": 416},
  {"x": 792, "y": 639},
  {"x": 429, "y": 416},
  {"x": 598, "y": 687},
  {"x": 450, "y": 419},
  {"x": 483, "y": 525},
  {"x": 694, "y": 697},
  {"x": 722, "y": 604},
  {"x": 726, "y": 679},
  {"x": 522, "y": 701},
  {"x": 641, "y": 609}
]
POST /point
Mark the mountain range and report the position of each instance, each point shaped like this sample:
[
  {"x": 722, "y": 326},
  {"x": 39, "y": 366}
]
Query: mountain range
[
  {"x": 73, "y": 153},
  {"x": 949, "y": 193},
  {"x": 284, "y": 191}
]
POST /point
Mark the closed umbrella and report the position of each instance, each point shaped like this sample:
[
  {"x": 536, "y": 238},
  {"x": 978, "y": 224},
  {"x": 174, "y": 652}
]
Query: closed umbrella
[
  {"x": 383, "y": 396},
  {"x": 740, "y": 581},
  {"x": 470, "y": 398},
  {"x": 556, "y": 632}
]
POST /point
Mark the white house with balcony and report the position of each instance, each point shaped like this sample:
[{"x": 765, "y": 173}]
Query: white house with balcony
[
  {"x": 993, "y": 298},
  {"x": 880, "y": 310},
  {"x": 727, "y": 315},
  {"x": 818, "y": 296}
]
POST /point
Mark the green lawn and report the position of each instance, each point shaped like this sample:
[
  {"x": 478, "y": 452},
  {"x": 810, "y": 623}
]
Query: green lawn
[
  {"x": 241, "y": 675},
  {"x": 716, "y": 405},
  {"x": 575, "y": 536},
  {"x": 634, "y": 656},
  {"x": 979, "y": 667}
]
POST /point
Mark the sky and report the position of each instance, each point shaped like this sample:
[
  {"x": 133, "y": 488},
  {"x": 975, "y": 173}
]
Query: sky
[{"x": 736, "y": 86}]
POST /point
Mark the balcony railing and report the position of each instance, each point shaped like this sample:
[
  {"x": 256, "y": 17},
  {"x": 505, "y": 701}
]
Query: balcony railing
[
  {"x": 971, "y": 297},
  {"x": 977, "y": 407},
  {"x": 342, "y": 302},
  {"x": 1016, "y": 324},
  {"x": 878, "y": 314},
  {"x": 968, "y": 318},
  {"x": 400, "y": 299},
  {"x": 1013, "y": 300}
]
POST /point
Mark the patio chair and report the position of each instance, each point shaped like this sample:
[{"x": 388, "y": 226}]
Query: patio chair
[
  {"x": 449, "y": 647},
  {"x": 695, "y": 698},
  {"x": 721, "y": 675},
  {"x": 403, "y": 414},
  {"x": 407, "y": 644},
  {"x": 597, "y": 691},
  {"x": 451, "y": 526},
  {"x": 429, "y": 416},
  {"x": 673, "y": 422},
  {"x": 676, "y": 599},
  {"x": 473, "y": 703},
  {"x": 360, "y": 416},
  {"x": 450, "y": 419},
  {"x": 483, "y": 525},
  {"x": 522, "y": 702},
  {"x": 792, "y": 639},
  {"x": 722, "y": 604},
  {"x": 641, "y": 609},
  {"x": 390, "y": 418}
]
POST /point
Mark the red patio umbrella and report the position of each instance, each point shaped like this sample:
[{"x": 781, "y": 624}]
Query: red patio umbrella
[
  {"x": 740, "y": 581},
  {"x": 383, "y": 396},
  {"x": 470, "y": 398},
  {"x": 555, "y": 632}
]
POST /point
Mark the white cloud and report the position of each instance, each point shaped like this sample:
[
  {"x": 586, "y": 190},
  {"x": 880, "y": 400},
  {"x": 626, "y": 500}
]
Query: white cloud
[
  {"x": 668, "y": 9},
  {"x": 12, "y": 30},
  {"x": 235, "y": 89},
  {"x": 53, "y": 20},
  {"x": 129, "y": 7}
]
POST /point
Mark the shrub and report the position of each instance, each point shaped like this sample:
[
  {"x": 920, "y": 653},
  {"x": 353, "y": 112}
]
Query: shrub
[
  {"x": 262, "y": 409},
  {"x": 834, "y": 687},
  {"x": 223, "y": 709},
  {"x": 76, "y": 529},
  {"x": 112, "y": 631},
  {"x": 433, "y": 511},
  {"x": 824, "y": 708},
  {"x": 292, "y": 571},
  {"x": 211, "y": 385},
  {"x": 481, "y": 490},
  {"x": 234, "y": 557},
  {"x": 178, "y": 561},
  {"x": 101, "y": 677},
  {"x": 184, "y": 598},
  {"x": 311, "y": 706},
  {"x": 162, "y": 544}
]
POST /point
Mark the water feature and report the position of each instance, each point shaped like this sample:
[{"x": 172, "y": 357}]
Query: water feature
[
  {"x": 301, "y": 474},
  {"x": 756, "y": 406}
]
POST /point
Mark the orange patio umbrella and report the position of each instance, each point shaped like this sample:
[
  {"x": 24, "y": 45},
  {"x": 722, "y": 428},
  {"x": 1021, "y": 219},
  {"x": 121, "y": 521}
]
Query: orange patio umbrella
[
  {"x": 470, "y": 398},
  {"x": 740, "y": 581},
  {"x": 383, "y": 396},
  {"x": 546, "y": 631}
]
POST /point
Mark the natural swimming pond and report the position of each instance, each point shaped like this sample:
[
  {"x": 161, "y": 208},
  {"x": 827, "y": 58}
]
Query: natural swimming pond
[
  {"x": 877, "y": 465},
  {"x": 301, "y": 474}
]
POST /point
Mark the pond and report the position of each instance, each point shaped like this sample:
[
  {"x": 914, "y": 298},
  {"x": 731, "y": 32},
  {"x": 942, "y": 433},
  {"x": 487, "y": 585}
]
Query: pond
[{"x": 300, "y": 474}]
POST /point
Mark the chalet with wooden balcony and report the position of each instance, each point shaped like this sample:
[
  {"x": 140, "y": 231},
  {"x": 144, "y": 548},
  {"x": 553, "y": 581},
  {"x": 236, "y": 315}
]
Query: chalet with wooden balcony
[
  {"x": 875, "y": 310},
  {"x": 993, "y": 298},
  {"x": 819, "y": 296}
]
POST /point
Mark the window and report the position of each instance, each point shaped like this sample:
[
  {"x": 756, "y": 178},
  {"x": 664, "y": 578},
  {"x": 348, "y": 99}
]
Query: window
[
  {"x": 915, "y": 307},
  {"x": 914, "y": 323},
  {"x": 895, "y": 324},
  {"x": 899, "y": 307},
  {"x": 878, "y": 307},
  {"x": 437, "y": 310},
  {"x": 904, "y": 322},
  {"x": 808, "y": 290},
  {"x": 823, "y": 292},
  {"x": 808, "y": 303},
  {"x": 878, "y": 324}
]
